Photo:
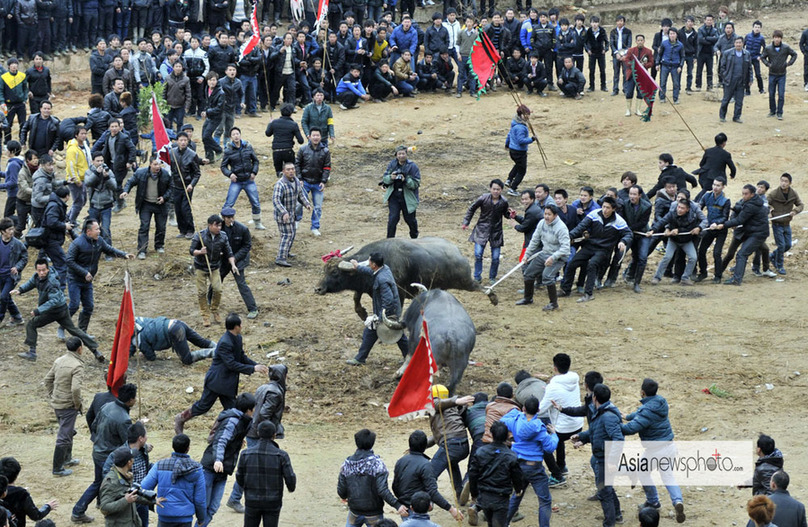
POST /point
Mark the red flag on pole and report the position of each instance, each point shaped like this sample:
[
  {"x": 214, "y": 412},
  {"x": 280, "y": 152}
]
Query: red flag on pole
[
  {"x": 322, "y": 13},
  {"x": 124, "y": 329},
  {"x": 413, "y": 394},
  {"x": 248, "y": 46},
  {"x": 483, "y": 60},
  {"x": 646, "y": 84},
  {"x": 161, "y": 142}
]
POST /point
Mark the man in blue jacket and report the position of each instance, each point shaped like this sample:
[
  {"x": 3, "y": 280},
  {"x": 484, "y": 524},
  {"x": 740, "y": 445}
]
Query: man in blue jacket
[
  {"x": 672, "y": 58},
  {"x": 605, "y": 426},
  {"x": 651, "y": 422},
  {"x": 179, "y": 479},
  {"x": 221, "y": 381},
  {"x": 531, "y": 440}
]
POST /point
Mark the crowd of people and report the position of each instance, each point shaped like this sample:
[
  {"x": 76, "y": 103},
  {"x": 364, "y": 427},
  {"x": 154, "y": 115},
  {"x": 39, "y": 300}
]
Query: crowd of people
[{"x": 191, "y": 51}]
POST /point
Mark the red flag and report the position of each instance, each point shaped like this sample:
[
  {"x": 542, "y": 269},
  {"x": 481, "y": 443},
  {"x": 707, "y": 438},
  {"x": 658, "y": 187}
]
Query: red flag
[
  {"x": 483, "y": 60},
  {"x": 322, "y": 13},
  {"x": 646, "y": 84},
  {"x": 161, "y": 142},
  {"x": 248, "y": 46},
  {"x": 124, "y": 329},
  {"x": 413, "y": 394}
]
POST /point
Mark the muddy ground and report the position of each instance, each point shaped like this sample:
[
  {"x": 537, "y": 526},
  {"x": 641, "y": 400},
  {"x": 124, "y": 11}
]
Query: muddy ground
[{"x": 686, "y": 338}]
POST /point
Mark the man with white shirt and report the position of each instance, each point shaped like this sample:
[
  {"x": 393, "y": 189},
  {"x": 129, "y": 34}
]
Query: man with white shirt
[
  {"x": 564, "y": 389},
  {"x": 619, "y": 42}
]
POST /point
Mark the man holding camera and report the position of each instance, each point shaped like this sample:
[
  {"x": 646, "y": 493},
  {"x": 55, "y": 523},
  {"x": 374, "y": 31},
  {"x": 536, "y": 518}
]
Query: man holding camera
[
  {"x": 401, "y": 179},
  {"x": 118, "y": 497}
]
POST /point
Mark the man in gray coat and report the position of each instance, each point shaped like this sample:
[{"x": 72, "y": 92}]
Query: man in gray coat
[
  {"x": 789, "y": 512},
  {"x": 735, "y": 75},
  {"x": 552, "y": 241}
]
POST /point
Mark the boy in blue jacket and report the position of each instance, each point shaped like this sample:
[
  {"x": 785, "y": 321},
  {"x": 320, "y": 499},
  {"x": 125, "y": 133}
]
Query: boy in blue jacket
[{"x": 350, "y": 89}]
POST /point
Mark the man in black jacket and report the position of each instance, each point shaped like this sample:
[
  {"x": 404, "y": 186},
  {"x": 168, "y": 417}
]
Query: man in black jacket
[
  {"x": 284, "y": 131},
  {"x": 82, "y": 264},
  {"x": 363, "y": 483},
  {"x": 153, "y": 194},
  {"x": 707, "y": 37},
  {"x": 43, "y": 142},
  {"x": 240, "y": 164},
  {"x": 262, "y": 471},
  {"x": 714, "y": 163},
  {"x": 789, "y": 512},
  {"x": 240, "y": 240},
  {"x": 754, "y": 218},
  {"x": 526, "y": 224},
  {"x": 119, "y": 154},
  {"x": 184, "y": 177},
  {"x": 681, "y": 226},
  {"x": 313, "y": 167},
  {"x": 221, "y": 381},
  {"x": 494, "y": 474},
  {"x": 668, "y": 170},
  {"x": 413, "y": 473},
  {"x": 606, "y": 229},
  {"x": 637, "y": 212},
  {"x": 209, "y": 247},
  {"x": 17, "y": 499},
  {"x": 233, "y": 93},
  {"x": 39, "y": 83},
  {"x": 689, "y": 38}
]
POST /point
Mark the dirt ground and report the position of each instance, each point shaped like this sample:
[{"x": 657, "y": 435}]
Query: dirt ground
[{"x": 686, "y": 338}]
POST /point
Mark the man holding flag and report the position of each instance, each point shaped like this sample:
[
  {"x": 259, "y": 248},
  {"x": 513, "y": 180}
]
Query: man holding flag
[
  {"x": 248, "y": 63},
  {"x": 638, "y": 58}
]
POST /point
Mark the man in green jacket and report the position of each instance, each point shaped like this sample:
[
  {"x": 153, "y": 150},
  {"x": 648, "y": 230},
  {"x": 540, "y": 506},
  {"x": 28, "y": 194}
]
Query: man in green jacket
[
  {"x": 402, "y": 180},
  {"x": 317, "y": 114},
  {"x": 118, "y": 502}
]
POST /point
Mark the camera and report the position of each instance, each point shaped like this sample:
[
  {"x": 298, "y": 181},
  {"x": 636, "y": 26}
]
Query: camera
[{"x": 143, "y": 493}]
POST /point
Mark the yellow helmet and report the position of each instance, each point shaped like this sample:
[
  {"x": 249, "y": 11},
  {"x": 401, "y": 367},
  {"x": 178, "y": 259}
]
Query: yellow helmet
[{"x": 440, "y": 391}]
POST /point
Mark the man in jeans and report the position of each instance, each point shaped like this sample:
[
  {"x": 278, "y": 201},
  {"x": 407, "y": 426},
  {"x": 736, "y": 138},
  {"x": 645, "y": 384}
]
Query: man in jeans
[
  {"x": 209, "y": 247},
  {"x": 153, "y": 194},
  {"x": 680, "y": 226},
  {"x": 783, "y": 200},
  {"x": 605, "y": 426},
  {"x": 777, "y": 56},
  {"x": 531, "y": 440},
  {"x": 240, "y": 164},
  {"x": 313, "y": 166}
]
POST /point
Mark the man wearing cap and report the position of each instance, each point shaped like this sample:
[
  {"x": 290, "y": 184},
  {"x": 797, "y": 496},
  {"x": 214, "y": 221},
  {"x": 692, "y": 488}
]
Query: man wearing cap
[
  {"x": 287, "y": 194},
  {"x": 402, "y": 180},
  {"x": 240, "y": 239},
  {"x": 208, "y": 247},
  {"x": 385, "y": 298}
]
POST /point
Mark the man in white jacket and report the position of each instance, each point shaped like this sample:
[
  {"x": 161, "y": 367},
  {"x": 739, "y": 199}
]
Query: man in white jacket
[{"x": 564, "y": 389}]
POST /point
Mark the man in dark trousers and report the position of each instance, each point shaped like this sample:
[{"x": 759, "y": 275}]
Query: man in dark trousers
[
  {"x": 714, "y": 163},
  {"x": 63, "y": 386},
  {"x": 210, "y": 248},
  {"x": 153, "y": 194},
  {"x": 221, "y": 381},
  {"x": 402, "y": 180},
  {"x": 119, "y": 154},
  {"x": 494, "y": 474},
  {"x": 413, "y": 473},
  {"x": 262, "y": 471},
  {"x": 734, "y": 68},
  {"x": 284, "y": 132},
  {"x": 363, "y": 484},
  {"x": 385, "y": 298},
  {"x": 160, "y": 333},
  {"x": 526, "y": 223},
  {"x": 240, "y": 239},
  {"x": 82, "y": 264},
  {"x": 789, "y": 512},
  {"x": 51, "y": 307},
  {"x": 111, "y": 427},
  {"x": 184, "y": 177}
]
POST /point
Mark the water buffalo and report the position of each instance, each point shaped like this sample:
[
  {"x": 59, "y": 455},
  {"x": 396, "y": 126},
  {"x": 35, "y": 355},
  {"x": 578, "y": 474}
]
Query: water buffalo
[
  {"x": 451, "y": 331},
  {"x": 432, "y": 261}
]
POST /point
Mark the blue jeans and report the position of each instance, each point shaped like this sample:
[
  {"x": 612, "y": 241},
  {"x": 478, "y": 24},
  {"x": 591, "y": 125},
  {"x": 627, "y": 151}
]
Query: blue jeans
[
  {"x": 777, "y": 82},
  {"x": 250, "y": 84},
  {"x": 6, "y": 285},
  {"x": 407, "y": 87},
  {"x": 663, "y": 81},
  {"x": 78, "y": 196},
  {"x": 652, "y": 496},
  {"x": 122, "y": 23},
  {"x": 104, "y": 217},
  {"x": 355, "y": 520},
  {"x": 176, "y": 115},
  {"x": 250, "y": 188},
  {"x": 609, "y": 501},
  {"x": 91, "y": 493},
  {"x": 670, "y": 251},
  {"x": 317, "y": 203},
  {"x": 237, "y": 492},
  {"x": 535, "y": 476},
  {"x": 214, "y": 490},
  {"x": 478, "y": 262},
  {"x": 81, "y": 291},
  {"x": 782, "y": 238},
  {"x": 458, "y": 451}
]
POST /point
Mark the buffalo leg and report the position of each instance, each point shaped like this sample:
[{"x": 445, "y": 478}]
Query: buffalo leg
[{"x": 361, "y": 311}]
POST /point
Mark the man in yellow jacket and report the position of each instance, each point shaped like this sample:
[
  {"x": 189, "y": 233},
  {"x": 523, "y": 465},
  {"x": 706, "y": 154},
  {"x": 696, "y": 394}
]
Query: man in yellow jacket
[
  {"x": 77, "y": 161},
  {"x": 63, "y": 385}
]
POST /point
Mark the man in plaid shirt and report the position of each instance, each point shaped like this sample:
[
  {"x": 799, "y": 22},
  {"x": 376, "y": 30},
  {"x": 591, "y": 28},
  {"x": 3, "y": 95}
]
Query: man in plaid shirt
[
  {"x": 288, "y": 192},
  {"x": 262, "y": 471}
]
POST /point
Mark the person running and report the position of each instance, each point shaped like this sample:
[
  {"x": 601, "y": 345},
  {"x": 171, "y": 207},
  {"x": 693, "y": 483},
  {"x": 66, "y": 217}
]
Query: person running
[{"x": 517, "y": 143}]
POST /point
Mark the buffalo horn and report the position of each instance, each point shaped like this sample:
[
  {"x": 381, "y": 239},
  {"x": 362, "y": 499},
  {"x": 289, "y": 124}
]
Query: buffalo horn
[
  {"x": 392, "y": 324},
  {"x": 421, "y": 287},
  {"x": 345, "y": 266},
  {"x": 346, "y": 250}
]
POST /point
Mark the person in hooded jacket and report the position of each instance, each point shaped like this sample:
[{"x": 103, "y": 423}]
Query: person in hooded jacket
[
  {"x": 493, "y": 208},
  {"x": 363, "y": 484},
  {"x": 604, "y": 426},
  {"x": 652, "y": 424},
  {"x": 769, "y": 461},
  {"x": 10, "y": 185},
  {"x": 754, "y": 217},
  {"x": 494, "y": 474}
]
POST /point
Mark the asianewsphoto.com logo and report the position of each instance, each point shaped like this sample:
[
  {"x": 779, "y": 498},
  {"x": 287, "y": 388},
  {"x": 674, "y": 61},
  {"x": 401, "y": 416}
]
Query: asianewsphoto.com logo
[{"x": 682, "y": 463}]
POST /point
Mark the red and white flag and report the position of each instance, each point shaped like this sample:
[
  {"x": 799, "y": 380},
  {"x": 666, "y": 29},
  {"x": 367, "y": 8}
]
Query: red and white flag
[
  {"x": 161, "y": 142},
  {"x": 124, "y": 329},
  {"x": 322, "y": 13},
  {"x": 646, "y": 85},
  {"x": 413, "y": 395},
  {"x": 248, "y": 46}
]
